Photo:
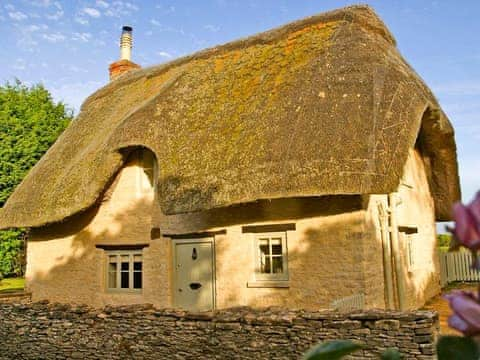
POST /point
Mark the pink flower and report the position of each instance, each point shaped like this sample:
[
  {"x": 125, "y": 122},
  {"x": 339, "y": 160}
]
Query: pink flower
[
  {"x": 467, "y": 224},
  {"x": 466, "y": 312}
]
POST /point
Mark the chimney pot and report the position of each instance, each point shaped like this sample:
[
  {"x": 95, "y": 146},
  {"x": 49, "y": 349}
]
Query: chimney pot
[
  {"x": 126, "y": 42},
  {"x": 125, "y": 63}
]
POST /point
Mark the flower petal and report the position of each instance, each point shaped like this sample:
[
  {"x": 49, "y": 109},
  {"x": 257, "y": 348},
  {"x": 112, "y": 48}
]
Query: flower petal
[
  {"x": 465, "y": 306},
  {"x": 456, "y": 322},
  {"x": 474, "y": 208},
  {"x": 466, "y": 227}
]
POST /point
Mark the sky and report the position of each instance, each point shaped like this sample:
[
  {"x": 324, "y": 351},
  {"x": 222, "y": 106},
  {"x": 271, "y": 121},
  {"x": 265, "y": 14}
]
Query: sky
[{"x": 68, "y": 45}]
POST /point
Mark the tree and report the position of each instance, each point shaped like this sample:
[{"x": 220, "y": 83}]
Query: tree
[
  {"x": 30, "y": 122},
  {"x": 443, "y": 240}
]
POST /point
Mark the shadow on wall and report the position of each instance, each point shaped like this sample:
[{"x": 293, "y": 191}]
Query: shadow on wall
[
  {"x": 326, "y": 261},
  {"x": 67, "y": 266},
  {"x": 274, "y": 210}
]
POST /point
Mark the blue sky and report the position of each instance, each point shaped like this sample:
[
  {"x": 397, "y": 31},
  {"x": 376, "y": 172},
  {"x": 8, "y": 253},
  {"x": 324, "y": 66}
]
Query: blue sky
[{"x": 67, "y": 45}]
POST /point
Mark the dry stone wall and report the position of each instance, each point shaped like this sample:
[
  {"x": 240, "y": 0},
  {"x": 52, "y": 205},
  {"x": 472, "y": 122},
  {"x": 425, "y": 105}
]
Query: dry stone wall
[{"x": 57, "y": 331}]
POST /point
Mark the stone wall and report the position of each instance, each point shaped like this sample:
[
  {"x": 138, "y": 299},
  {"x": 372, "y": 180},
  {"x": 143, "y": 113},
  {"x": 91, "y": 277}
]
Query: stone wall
[
  {"x": 17, "y": 297},
  {"x": 56, "y": 331}
]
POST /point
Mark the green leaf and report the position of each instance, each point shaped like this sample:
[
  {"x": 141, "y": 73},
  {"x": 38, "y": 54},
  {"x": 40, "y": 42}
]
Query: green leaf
[
  {"x": 457, "y": 347},
  {"x": 391, "y": 354},
  {"x": 332, "y": 350}
]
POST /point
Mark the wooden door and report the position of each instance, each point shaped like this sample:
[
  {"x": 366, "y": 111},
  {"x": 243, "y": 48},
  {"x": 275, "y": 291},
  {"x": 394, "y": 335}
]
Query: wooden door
[{"x": 194, "y": 274}]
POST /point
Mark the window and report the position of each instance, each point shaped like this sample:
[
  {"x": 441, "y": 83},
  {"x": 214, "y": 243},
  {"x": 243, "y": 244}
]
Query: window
[
  {"x": 146, "y": 173},
  {"x": 124, "y": 270},
  {"x": 271, "y": 256},
  {"x": 407, "y": 236},
  {"x": 410, "y": 252}
]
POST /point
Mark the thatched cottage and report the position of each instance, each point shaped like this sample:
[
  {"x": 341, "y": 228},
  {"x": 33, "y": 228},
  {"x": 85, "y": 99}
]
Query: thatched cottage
[{"x": 297, "y": 167}]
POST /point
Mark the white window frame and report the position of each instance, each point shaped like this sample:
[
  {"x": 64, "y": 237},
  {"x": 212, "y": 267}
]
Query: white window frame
[
  {"x": 118, "y": 253},
  {"x": 410, "y": 244},
  {"x": 263, "y": 277}
]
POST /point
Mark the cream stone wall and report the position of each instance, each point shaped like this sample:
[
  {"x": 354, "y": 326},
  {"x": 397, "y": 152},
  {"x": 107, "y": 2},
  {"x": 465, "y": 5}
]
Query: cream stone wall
[
  {"x": 334, "y": 252},
  {"x": 64, "y": 265},
  {"x": 416, "y": 209}
]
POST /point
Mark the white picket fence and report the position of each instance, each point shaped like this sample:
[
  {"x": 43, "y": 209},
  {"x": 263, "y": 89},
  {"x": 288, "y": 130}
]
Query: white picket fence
[
  {"x": 354, "y": 302},
  {"x": 456, "y": 266}
]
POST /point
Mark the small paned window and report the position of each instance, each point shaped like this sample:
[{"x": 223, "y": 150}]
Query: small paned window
[
  {"x": 124, "y": 270},
  {"x": 146, "y": 174},
  {"x": 271, "y": 256}
]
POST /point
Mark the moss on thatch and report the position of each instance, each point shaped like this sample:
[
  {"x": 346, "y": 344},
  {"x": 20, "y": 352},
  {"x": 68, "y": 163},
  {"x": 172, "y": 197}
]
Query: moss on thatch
[{"x": 325, "y": 105}]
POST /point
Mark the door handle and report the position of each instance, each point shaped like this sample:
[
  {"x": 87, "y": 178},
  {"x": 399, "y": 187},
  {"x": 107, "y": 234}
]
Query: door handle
[{"x": 195, "y": 286}]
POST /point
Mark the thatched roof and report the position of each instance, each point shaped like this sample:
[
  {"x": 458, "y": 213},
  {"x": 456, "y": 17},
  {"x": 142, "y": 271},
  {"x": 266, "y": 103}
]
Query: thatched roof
[{"x": 324, "y": 105}]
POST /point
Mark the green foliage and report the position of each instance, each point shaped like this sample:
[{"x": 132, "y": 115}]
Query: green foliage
[
  {"x": 457, "y": 347},
  {"x": 30, "y": 122},
  {"x": 11, "y": 252},
  {"x": 332, "y": 350},
  {"x": 443, "y": 240}
]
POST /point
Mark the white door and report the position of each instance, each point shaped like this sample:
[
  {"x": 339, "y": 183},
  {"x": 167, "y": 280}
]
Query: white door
[{"x": 194, "y": 275}]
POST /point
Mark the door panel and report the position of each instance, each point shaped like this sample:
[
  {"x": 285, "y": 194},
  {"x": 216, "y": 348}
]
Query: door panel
[{"x": 194, "y": 275}]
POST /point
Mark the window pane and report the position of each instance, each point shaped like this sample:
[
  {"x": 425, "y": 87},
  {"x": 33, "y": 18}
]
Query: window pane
[
  {"x": 265, "y": 265},
  {"x": 137, "y": 280},
  {"x": 125, "y": 266},
  {"x": 277, "y": 265},
  {"x": 276, "y": 246},
  {"x": 112, "y": 267},
  {"x": 137, "y": 258},
  {"x": 264, "y": 249},
  {"x": 124, "y": 280},
  {"x": 112, "y": 280},
  {"x": 137, "y": 266}
]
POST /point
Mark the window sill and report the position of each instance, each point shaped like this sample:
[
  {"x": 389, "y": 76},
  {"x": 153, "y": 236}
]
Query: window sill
[
  {"x": 124, "y": 292},
  {"x": 269, "y": 284}
]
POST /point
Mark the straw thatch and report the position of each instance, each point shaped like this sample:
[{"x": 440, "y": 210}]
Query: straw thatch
[{"x": 325, "y": 105}]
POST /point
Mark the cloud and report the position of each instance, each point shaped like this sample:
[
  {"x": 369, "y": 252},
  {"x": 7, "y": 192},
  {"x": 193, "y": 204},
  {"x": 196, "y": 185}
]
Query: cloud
[
  {"x": 81, "y": 20},
  {"x": 73, "y": 93},
  {"x": 19, "y": 64},
  {"x": 54, "y": 37},
  {"x": 102, "y": 4},
  {"x": 34, "y": 28},
  {"x": 84, "y": 37},
  {"x": 458, "y": 88},
  {"x": 17, "y": 15},
  {"x": 74, "y": 69},
  {"x": 166, "y": 10},
  {"x": 164, "y": 54},
  {"x": 9, "y": 7},
  {"x": 56, "y": 16},
  {"x": 92, "y": 12},
  {"x": 120, "y": 8},
  {"x": 41, "y": 3},
  {"x": 212, "y": 28},
  {"x": 164, "y": 28}
]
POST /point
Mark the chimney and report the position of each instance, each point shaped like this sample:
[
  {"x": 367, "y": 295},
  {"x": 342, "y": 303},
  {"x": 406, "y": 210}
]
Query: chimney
[{"x": 125, "y": 63}]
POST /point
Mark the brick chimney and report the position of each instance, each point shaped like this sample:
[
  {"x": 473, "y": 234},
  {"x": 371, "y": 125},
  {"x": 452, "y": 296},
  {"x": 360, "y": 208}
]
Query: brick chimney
[{"x": 125, "y": 63}]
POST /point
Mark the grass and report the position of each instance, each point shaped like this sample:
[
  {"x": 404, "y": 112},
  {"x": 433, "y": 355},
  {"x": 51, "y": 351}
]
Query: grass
[{"x": 11, "y": 285}]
